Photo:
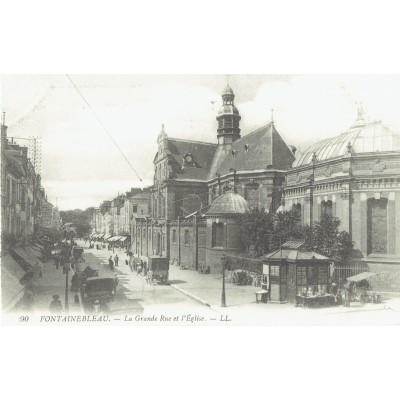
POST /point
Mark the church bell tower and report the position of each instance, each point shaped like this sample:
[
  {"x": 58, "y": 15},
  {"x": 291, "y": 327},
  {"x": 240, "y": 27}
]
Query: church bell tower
[{"x": 228, "y": 118}]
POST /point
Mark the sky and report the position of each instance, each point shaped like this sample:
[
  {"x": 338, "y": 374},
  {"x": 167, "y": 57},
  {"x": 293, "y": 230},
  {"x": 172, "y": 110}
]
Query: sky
[{"x": 81, "y": 166}]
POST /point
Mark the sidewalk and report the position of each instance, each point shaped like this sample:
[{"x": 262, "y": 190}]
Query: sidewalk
[
  {"x": 52, "y": 282},
  {"x": 207, "y": 289},
  {"x": 241, "y": 304}
]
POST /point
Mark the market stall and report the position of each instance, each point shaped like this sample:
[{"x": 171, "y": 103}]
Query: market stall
[
  {"x": 297, "y": 275},
  {"x": 363, "y": 288}
]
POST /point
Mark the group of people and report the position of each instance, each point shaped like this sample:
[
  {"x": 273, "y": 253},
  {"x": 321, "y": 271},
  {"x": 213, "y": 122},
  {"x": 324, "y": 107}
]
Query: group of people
[{"x": 113, "y": 263}]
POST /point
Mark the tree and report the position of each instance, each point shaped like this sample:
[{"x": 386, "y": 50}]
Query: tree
[
  {"x": 79, "y": 218},
  {"x": 325, "y": 238},
  {"x": 286, "y": 227},
  {"x": 256, "y": 226}
]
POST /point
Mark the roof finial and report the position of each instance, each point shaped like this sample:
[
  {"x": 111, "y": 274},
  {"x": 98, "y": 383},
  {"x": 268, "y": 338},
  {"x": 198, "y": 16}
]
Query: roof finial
[
  {"x": 360, "y": 112},
  {"x": 272, "y": 116},
  {"x": 227, "y": 80},
  {"x": 4, "y": 118}
]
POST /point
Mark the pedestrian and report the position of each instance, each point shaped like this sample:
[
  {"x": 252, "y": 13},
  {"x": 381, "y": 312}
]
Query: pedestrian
[
  {"x": 56, "y": 306},
  {"x": 116, "y": 281},
  {"x": 348, "y": 292},
  {"x": 96, "y": 307},
  {"x": 116, "y": 258},
  {"x": 139, "y": 268},
  {"x": 111, "y": 263},
  {"x": 57, "y": 262}
]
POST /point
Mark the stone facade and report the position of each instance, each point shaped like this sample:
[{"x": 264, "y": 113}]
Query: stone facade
[
  {"x": 355, "y": 177},
  {"x": 22, "y": 197},
  {"x": 190, "y": 175}
]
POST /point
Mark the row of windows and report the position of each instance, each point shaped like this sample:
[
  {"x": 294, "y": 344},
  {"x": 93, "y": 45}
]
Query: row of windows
[
  {"x": 377, "y": 222},
  {"x": 326, "y": 209},
  {"x": 161, "y": 171},
  {"x": 218, "y": 235}
]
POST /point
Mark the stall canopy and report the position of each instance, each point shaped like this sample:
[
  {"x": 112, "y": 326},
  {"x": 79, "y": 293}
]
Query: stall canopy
[
  {"x": 106, "y": 237},
  {"x": 123, "y": 238},
  {"x": 362, "y": 276}
]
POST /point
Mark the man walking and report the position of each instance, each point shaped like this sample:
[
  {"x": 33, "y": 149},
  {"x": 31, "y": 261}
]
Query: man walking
[
  {"x": 348, "y": 292},
  {"x": 111, "y": 263},
  {"x": 56, "y": 306},
  {"x": 116, "y": 258}
]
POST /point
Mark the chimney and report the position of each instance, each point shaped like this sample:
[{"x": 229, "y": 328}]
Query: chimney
[{"x": 3, "y": 130}]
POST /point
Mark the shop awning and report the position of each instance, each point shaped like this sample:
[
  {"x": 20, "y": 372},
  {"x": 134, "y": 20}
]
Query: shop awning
[
  {"x": 362, "y": 276},
  {"x": 8, "y": 262},
  {"x": 12, "y": 289},
  {"x": 36, "y": 251},
  {"x": 39, "y": 246},
  {"x": 123, "y": 238},
  {"x": 106, "y": 237},
  {"x": 30, "y": 259}
]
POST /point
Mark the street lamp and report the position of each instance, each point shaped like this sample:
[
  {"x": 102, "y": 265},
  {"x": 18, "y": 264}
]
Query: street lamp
[
  {"x": 66, "y": 305},
  {"x": 223, "y": 299}
]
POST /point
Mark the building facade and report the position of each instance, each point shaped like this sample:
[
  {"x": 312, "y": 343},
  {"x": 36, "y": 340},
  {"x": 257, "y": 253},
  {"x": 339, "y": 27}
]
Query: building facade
[
  {"x": 356, "y": 177},
  {"x": 21, "y": 192},
  {"x": 189, "y": 176}
]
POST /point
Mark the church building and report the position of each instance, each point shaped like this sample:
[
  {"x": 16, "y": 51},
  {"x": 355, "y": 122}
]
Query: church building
[{"x": 200, "y": 188}]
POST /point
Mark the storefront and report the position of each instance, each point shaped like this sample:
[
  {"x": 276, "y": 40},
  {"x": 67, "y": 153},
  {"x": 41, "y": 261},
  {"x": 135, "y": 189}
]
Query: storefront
[{"x": 294, "y": 272}]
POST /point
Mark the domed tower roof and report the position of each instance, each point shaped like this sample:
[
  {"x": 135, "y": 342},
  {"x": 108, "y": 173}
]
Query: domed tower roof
[
  {"x": 228, "y": 204},
  {"x": 361, "y": 138},
  {"x": 228, "y": 91},
  {"x": 228, "y": 118}
]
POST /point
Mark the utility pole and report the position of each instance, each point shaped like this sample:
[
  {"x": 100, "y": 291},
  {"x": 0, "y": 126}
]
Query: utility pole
[
  {"x": 223, "y": 298},
  {"x": 66, "y": 305}
]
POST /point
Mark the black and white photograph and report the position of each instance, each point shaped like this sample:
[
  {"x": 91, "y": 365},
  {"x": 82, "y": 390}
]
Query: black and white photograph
[{"x": 200, "y": 199}]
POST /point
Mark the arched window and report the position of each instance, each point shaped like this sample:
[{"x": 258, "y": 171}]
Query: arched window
[
  {"x": 174, "y": 236},
  {"x": 377, "y": 226},
  {"x": 296, "y": 208},
  {"x": 186, "y": 237},
  {"x": 326, "y": 208},
  {"x": 218, "y": 234},
  {"x": 162, "y": 206},
  {"x": 251, "y": 195}
]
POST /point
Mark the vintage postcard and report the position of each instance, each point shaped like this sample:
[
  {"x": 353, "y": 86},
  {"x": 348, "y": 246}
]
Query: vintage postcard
[{"x": 200, "y": 200}]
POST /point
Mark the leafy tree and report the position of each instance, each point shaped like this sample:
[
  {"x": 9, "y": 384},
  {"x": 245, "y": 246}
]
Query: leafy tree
[
  {"x": 286, "y": 227},
  {"x": 324, "y": 237},
  {"x": 80, "y": 218},
  {"x": 256, "y": 226}
]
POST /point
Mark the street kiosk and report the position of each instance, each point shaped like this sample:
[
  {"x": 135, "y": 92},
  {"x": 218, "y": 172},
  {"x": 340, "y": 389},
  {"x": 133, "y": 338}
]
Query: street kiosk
[{"x": 297, "y": 275}]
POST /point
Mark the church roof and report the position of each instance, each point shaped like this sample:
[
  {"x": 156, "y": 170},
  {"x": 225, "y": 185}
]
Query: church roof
[
  {"x": 202, "y": 153},
  {"x": 362, "y": 137},
  {"x": 227, "y": 204},
  {"x": 258, "y": 150}
]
